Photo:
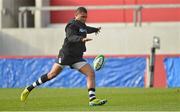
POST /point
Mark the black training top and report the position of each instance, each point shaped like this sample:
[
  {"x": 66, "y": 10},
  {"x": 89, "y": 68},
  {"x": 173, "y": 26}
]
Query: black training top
[{"x": 75, "y": 31}]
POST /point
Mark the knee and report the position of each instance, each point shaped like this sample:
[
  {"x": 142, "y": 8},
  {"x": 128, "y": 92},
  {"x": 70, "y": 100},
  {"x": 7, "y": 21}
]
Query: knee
[{"x": 91, "y": 73}]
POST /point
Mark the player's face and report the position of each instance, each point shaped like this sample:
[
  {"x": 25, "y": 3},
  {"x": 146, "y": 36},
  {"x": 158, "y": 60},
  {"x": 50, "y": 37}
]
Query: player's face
[{"x": 81, "y": 17}]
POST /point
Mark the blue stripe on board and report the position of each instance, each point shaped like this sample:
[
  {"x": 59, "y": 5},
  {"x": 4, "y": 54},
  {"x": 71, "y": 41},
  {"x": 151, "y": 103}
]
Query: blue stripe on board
[
  {"x": 117, "y": 72},
  {"x": 172, "y": 67}
]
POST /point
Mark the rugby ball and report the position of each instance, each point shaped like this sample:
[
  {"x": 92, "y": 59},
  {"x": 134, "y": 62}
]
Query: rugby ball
[{"x": 98, "y": 62}]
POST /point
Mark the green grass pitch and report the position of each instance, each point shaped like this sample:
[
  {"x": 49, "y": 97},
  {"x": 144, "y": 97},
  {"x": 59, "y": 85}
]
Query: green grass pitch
[{"x": 119, "y": 99}]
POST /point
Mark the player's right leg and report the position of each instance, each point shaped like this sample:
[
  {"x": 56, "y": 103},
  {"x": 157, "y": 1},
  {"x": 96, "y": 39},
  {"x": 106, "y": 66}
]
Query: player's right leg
[
  {"x": 56, "y": 69},
  {"x": 89, "y": 72}
]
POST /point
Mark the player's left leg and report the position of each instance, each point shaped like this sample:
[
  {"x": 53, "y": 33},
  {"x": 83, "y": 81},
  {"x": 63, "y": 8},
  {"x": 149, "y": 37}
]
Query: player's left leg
[
  {"x": 87, "y": 70},
  {"x": 56, "y": 69}
]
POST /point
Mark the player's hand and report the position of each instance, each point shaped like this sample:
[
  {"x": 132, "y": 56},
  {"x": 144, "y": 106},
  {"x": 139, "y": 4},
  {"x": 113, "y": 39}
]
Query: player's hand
[
  {"x": 86, "y": 39},
  {"x": 99, "y": 29}
]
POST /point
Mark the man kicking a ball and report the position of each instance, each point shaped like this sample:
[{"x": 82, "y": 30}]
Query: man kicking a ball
[{"x": 71, "y": 54}]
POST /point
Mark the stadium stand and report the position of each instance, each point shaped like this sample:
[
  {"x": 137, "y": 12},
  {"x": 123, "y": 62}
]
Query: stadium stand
[{"x": 124, "y": 44}]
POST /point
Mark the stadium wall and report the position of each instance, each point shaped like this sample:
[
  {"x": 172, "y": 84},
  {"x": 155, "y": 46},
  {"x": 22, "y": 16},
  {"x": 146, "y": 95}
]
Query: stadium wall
[
  {"x": 9, "y": 12},
  {"x": 116, "y": 16},
  {"x": 118, "y": 71},
  {"x": 115, "y": 40},
  {"x": 42, "y": 19},
  {"x": 118, "y": 38}
]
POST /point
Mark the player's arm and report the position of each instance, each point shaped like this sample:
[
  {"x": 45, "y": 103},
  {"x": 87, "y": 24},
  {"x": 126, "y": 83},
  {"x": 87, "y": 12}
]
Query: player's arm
[
  {"x": 93, "y": 29},
  {"x": 71, "y": 34}
]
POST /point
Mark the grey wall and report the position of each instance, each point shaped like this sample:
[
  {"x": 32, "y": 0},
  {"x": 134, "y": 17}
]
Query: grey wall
[
  {"x": 0, "y": 14},
  {"x": 42, "y": 18},
  {"x": 46, "y": 14},
  {"x": 10, "y": 19},
  {"x": 114, "y": 39}
]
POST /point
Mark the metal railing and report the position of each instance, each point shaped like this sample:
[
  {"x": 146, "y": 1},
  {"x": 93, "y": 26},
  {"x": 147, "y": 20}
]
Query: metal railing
[{"x": 137, "y": 14}]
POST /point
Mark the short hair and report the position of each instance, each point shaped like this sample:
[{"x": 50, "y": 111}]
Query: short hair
[{"x": 81, "y": 9}]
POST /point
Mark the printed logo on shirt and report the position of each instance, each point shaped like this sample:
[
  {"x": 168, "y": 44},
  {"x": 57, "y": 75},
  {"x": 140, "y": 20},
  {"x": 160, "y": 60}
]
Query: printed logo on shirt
[
  {"x": 59, "y": 60},
  {"x": 82, "y": 30}
]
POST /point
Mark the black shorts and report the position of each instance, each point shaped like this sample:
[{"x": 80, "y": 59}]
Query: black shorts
[{"x": 67, "y": 60}]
